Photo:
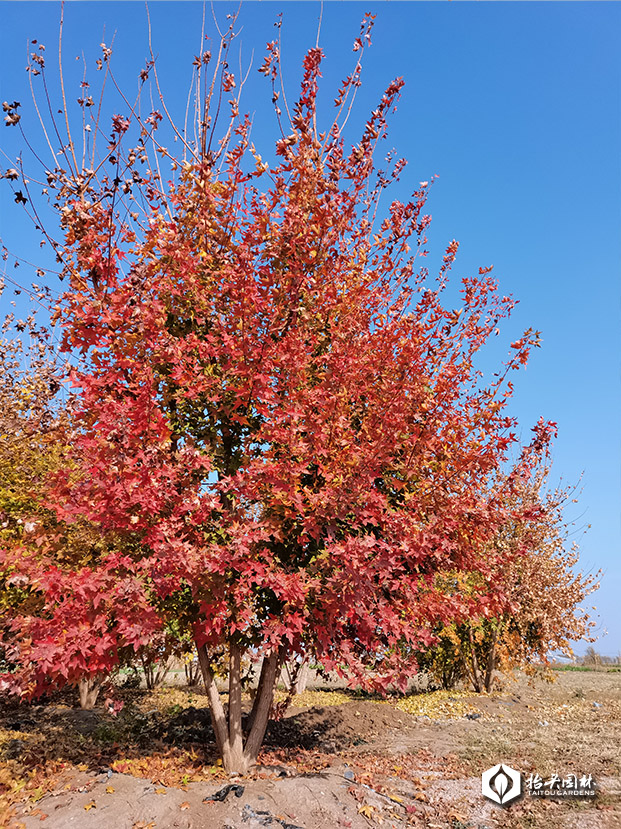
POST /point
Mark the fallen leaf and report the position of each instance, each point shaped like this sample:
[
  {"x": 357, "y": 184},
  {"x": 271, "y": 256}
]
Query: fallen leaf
[
  {"x": 109, "y": 789},
  {"x": 355, "y": 793},
  {"x": 395, "y": 798},
  {"x": 421, "y": 796},
  {"x": 89, "y": 806},
  {"x": 366, "y": 810},
  {"x": 184, "y": 806},
  {"x": 161, "y": 790}
]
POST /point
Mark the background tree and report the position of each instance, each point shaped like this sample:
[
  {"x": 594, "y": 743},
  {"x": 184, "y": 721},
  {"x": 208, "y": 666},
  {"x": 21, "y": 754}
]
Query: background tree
[
  {"x": 275, "y": 409},
  {"x": 36, "y": 430},
  {"x": 541, "y": 596},
  {"x": 592, "y": 657},
  {"x": 32, "y": 438}
]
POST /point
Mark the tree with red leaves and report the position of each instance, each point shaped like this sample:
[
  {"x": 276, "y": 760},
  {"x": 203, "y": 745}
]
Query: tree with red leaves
[{"x": 274, "y": 408}]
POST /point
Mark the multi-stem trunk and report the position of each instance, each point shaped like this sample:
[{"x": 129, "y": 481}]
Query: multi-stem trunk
[
  {"x": 238, "y": 755},
  {"x": 88, "y": 690}
]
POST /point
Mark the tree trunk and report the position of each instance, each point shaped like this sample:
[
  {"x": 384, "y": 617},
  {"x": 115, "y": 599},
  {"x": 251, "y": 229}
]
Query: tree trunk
[
  {"x": 192, "y": 672},
  {"x": 262, "y": 704},
  {"x": 491, "y": 662},
  {"x": 255, "y": 698},
  {"x": 236, "y": 738},
  {"x": 218, "y": 717},
  {"x": 472, "y": 664},
  {"x": 301, "y": 680},
  {"x": 238, "y": 757},
  {"x": 154, "y": 671},
  {"x": 88, "y": 690},
  {"x": 294, "y": 676}
]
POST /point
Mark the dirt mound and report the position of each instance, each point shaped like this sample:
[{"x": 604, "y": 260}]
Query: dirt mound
[
  {"x": 192, "y": 725},
  {"x": 328, "y": 728},
  {"x": 335, "y": 728}
]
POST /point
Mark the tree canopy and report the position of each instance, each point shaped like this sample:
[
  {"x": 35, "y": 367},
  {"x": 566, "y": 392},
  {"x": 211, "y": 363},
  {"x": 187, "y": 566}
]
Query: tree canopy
[{"x": 277, "y": 414}]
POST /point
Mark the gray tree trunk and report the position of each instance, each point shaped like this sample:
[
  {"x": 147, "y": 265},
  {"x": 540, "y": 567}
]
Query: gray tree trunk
[
  {"x": 237, "y": 756},
  {"x": 88, "y": 691}
]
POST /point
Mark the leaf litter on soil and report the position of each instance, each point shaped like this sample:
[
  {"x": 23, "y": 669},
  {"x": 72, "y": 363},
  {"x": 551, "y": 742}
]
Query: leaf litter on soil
[{"x": 42, "y": 747}]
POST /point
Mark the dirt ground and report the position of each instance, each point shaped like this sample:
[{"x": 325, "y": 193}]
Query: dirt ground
[{"x": 335, "y": 760}]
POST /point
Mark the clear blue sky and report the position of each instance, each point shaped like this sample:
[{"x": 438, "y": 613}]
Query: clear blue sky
[{"x": 516, "y": 106}]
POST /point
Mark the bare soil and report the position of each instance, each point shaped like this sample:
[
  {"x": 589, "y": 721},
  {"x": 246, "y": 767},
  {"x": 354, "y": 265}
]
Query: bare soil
[{"x": 336, "y": 760}]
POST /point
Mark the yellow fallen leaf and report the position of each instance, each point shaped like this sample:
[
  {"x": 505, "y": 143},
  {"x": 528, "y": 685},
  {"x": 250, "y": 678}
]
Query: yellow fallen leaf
[
  {"x": 161, "y": 790},
  {"x": 395, "y": 798},
  {"x": 89, "y": 806},
  {"x": 366, "y": 810},
  {"x": 109, "y": 789},
  {"x": 420, "y": 796}
]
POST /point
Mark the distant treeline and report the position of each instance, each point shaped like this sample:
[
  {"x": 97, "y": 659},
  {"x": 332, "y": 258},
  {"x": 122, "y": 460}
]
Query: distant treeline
[{"x": 591, "y": 660}]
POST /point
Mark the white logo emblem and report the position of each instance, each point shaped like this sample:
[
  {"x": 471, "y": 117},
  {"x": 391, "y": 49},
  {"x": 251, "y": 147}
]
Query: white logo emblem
[{"x": 502, "y": 784}]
